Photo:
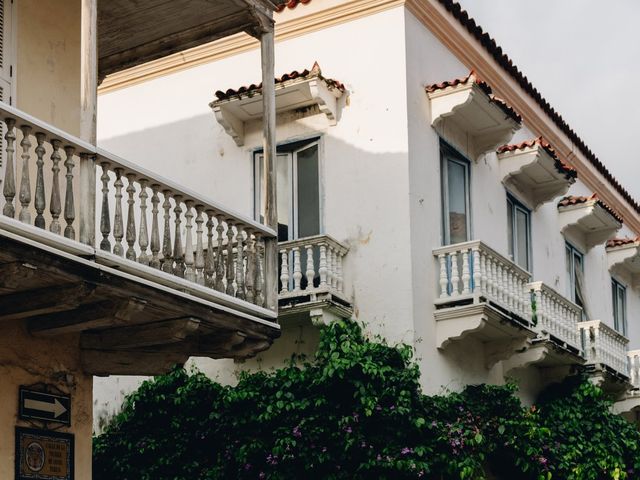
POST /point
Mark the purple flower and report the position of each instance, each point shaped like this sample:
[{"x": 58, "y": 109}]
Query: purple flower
[
  {"x": 406, "y": 451},
  {"x": 348, "y": 429},
  {"x": 247, "y": 466},
  {"x": 296, "y": 432}
]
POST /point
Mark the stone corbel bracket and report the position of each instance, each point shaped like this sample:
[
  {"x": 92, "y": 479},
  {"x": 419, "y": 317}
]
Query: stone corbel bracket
[
  {"x": 234, "y": 108},
  {"x": 625, "y": 257},
  {"x": 468, "y": 115}
]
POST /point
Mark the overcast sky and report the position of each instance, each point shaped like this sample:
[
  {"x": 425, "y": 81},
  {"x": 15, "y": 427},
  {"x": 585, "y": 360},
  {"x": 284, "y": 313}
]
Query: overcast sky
[{"x": 584, "y": 57}]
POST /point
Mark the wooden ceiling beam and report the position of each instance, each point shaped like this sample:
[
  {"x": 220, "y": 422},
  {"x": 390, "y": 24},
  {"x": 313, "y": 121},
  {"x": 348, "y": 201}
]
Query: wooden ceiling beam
[
  {"x": 86, "y": 317},
  {"x": 45, "y": 300},
  {"x": 146, "y": 335}
]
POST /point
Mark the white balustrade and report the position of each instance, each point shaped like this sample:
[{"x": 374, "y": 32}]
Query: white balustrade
[
  {"x": 604, "y": 346},
  {"x": 232, "y": 263},
  {"x": 310, "y": 266},
  {"x": 555, "y": 315},
  {"x": 474, "y": 271},
  {"x": 633, "y": 357}
]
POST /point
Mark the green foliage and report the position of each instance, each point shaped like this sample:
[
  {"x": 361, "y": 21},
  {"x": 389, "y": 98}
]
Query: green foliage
[{"x": 358, "y": 412}]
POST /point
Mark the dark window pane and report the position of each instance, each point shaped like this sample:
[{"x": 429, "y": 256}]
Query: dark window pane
[
  {"x": 457, "y": 200},
  {"x": 308, "y": 192},
  {"x": 522, "y": 238}
]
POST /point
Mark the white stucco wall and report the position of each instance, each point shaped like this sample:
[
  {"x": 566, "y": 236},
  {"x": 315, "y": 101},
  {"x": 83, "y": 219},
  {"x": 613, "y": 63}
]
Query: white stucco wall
[{"x": 380, "y": 182}]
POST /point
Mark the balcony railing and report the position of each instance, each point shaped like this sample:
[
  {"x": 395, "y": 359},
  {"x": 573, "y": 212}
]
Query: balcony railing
[
  {"x": 312, "y": 266},
  {"x": 472, "y": 271},
  {"x": 604, "y": 346},
  {"x": 634, "y": 367},
  {"x": 150, "y": 226},
  {"x": 555, "y": 315}
]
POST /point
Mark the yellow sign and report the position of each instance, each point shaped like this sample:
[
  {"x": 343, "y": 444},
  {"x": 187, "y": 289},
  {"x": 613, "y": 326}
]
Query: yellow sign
[{"x": 43, "y": 455}]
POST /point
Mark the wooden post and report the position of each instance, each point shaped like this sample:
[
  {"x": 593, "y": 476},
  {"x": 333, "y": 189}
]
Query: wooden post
[
  {"x": 88, "y": 113},
  {"x": 269, "y": 180}
]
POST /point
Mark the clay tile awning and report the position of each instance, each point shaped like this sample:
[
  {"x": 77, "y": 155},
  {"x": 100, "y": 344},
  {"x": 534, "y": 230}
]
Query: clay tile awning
[
  {"x": 296, "y": 90},
  {"x": 533, "y": 171},
  {"x": 466, "y": 113},
  {"x": 623, "y": 258},
  {"x": 588, "y": 219},
  {"x": 131, "y": 33}
]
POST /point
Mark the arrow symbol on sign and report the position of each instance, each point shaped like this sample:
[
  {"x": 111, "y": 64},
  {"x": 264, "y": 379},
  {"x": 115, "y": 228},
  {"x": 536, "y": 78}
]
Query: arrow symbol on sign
[{"x": 56, "y": 407}]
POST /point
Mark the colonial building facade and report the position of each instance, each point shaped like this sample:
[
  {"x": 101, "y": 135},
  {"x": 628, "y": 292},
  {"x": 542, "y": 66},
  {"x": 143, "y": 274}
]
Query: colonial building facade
[{"x": 424, "y": 187}]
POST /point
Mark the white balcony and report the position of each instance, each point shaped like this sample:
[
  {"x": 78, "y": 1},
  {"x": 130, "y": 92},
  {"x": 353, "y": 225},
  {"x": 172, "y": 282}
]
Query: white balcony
[
  {"x": 482, "y": 296},
  {"x": 555, "y": 319},
  {"x": 312, "y": 280},
  {"x": 606, "y": 354},
  {"x": 588, "y": 220},
  {"x": 174, "y": 273}
]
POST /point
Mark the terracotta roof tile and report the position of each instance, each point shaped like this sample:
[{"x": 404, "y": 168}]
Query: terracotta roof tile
[
  {"x": 507, "y": 64},
  {"x": 256, "y": 89},
  {"x": 619, "y": 242},
  {"x": 473, "y": 78},
  {"x": 291, "y": 4},
  {"x": 577, "y": 200},
  {"x": 561, "y": 166}
]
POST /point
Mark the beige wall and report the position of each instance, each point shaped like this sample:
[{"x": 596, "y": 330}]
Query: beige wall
[
  {"x": 26, "y": 360},
  {"x": 48, "y": 61}
]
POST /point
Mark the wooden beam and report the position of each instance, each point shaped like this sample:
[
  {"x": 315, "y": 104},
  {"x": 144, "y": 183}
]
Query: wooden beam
[
  {"x": 16, "y": 274},
  {"x": 175, "y": 42},
  {"x": 148, "y": 334},
  {"x": 267, "y": 49},
  {"x": 86, "y": 317},
  {"x": 44, "y": 300},
  {"x": 117, "y": 362}
]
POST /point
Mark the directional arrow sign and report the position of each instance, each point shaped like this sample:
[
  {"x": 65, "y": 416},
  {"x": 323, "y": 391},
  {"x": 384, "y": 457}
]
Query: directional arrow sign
[{"x": 45, "y": 406}]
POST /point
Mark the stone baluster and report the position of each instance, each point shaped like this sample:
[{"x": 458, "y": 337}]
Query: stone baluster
[
  {"x": 455, "y": 279},
  {"x": 297, "y": 270},
  {"x": 55, "y": 205},
  {"x": 478, "y": 287},
  {"x": 40, "y": 202},
  {"x": 155, "y": 228},
  {"x": 240, "y": 291},
  {"x": 284, "y": 271},
  {"x": 209, "y": 262},
  {"x": 322, "y": 268},
  {"x": 334, "y": 268},
  {"x": 9, "y": 186},
  {"x": 118, "y": 220},
  {"x": 25, "y": 179},
  {"x": 230, "y": 264},
  {"x": 260, "y": 298},
  {"x": 251, "y": 268},
  {"x": 143, "y": 233},
  {"x": 167, "y": 252},
  {"x": 69, "y": 203},
  {"x": 310, "y": 272},
  {"x": 105, "y": 220},
  {"x": 466, "y": 276},
  {"x": 340, "y": 283},
  {"x": 178, "y": 250},
  {"x": 131, "y": 220},
  {"x": 189, "y": 260},
  {"x": 199, "y": 261},
  {"x": 219, "y": 283},
  {"x": 443, "y": 280}
]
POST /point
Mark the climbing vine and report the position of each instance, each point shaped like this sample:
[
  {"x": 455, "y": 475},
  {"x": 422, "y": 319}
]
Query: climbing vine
[{"x": 357, "y": 412}]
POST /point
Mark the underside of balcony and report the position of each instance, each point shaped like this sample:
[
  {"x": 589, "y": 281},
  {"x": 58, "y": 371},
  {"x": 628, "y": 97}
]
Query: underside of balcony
[
  {"x": 131, "y": 33},
  {"x": 128, "y": 325},
  {"x": 588, "y": 219},
  {"x": 545, "y": 353}
]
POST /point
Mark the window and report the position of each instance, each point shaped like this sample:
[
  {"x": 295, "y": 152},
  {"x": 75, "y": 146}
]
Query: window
[
  {"x": 455, "y": 196},
  {"x": 619, "y": 295},
  {"x": 297, "y": 167},
  {"x": 575, "y": 278},
  {"x": 519, "y": 230}
]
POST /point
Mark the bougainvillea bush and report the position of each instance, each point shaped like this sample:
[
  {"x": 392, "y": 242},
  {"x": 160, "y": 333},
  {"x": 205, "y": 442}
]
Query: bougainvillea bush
[{"x": 357, "y": 412}]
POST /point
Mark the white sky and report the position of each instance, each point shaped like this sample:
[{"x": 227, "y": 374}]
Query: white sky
[{"x": 584, "y": 58}]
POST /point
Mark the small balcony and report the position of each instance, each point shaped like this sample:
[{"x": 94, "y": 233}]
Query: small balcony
[
  {"x": 312, "y": 279},
  {"x": 606, "y": 354},
  {"x": 482, "y": 296},
  {"x": 173, "y": 273}
]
